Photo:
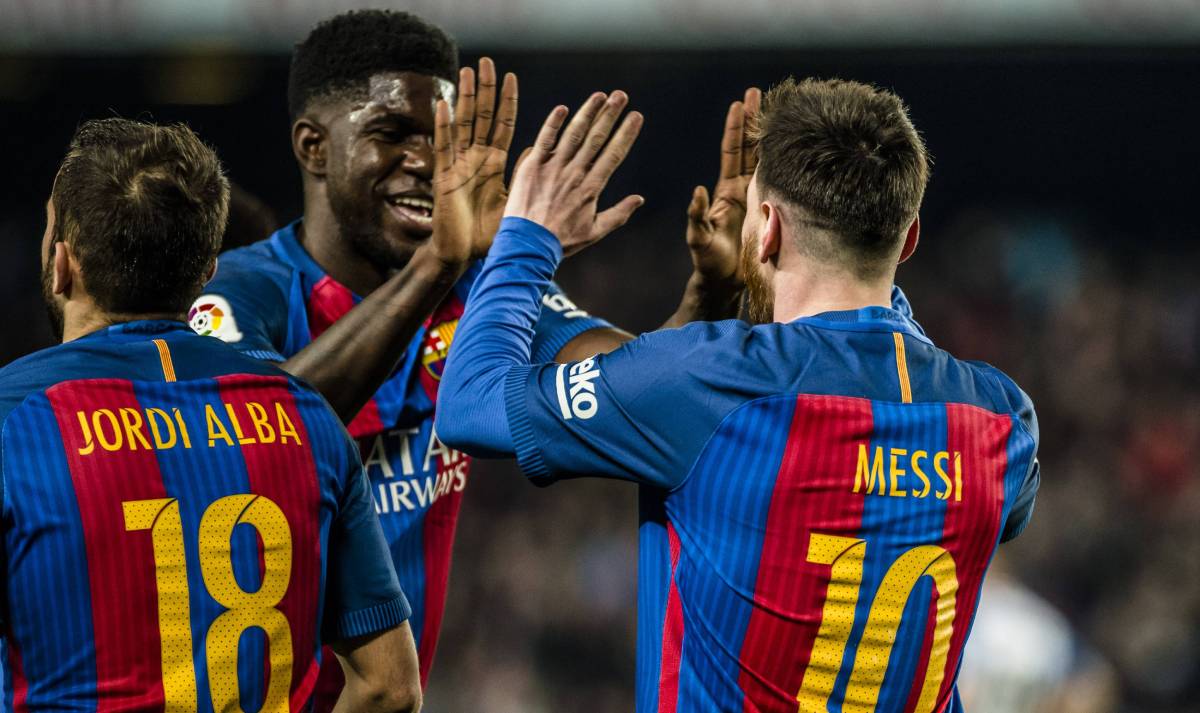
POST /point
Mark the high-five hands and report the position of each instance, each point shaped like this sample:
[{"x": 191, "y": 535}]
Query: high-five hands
[
  {"x": 714, "y": 232},
  {"x": 558, "y": 182},
  {"x": 470, "y": 157}
]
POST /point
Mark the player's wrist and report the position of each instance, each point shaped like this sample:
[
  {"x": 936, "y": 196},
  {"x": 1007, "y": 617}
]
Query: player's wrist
[{"x": 436, "y": 267}]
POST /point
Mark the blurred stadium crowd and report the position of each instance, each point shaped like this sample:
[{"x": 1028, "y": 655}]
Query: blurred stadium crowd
[{"x": 1090, "y": 303}]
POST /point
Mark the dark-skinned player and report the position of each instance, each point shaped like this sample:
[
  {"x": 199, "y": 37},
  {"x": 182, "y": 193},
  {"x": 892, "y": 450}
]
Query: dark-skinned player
[{"x": 362, "y": 295}]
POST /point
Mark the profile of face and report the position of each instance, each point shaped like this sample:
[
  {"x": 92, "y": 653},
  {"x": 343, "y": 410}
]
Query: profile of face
[
  {"x": 760, "y": 287},
  {"x": 379, "y": 164},
  {"x": 54, "y": 302}
]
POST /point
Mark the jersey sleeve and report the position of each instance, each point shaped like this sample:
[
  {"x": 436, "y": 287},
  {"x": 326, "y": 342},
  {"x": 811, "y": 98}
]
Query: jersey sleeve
[
  {"x": 1026, "y": 419},
  {"x": 559, "y": 322},
  {"x": 362, "y": 593},
  {"x": 641, "y": 413},
  {"x": 246, "y": 305}
]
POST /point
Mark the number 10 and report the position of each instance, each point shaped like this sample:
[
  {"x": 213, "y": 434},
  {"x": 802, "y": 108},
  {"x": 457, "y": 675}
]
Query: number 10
[{"x": 845, "y": 555}]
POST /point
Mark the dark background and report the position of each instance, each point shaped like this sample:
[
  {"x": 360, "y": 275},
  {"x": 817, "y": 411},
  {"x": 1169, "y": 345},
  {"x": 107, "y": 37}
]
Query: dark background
[{"x": 1058, "y": 242}]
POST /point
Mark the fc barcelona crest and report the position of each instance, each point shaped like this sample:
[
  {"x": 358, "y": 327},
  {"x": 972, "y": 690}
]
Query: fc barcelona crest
[{"x": 437, "y": 346}]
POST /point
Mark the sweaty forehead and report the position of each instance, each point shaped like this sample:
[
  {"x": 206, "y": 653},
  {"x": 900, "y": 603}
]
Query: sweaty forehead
[{"x": 408, "y": 93}]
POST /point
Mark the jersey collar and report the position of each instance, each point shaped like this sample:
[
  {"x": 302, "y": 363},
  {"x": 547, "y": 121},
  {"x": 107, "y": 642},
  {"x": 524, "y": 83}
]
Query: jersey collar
[
  {"x": 867, "y": 319},
  {"x": 287, "y": 247},
  {"x": 137, "y": 330}
]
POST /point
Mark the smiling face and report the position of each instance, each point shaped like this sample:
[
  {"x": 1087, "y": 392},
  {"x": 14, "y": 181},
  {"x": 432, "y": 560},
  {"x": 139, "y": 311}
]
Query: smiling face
[{"x": 379, "y": 165}]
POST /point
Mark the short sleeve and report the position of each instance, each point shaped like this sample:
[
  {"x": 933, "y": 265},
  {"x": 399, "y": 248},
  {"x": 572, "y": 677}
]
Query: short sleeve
[
  {"x": 246, "y": 305},
  {"x": 362, "y": 593},
  {"x": 559, "y": 322},
  {"x": 642, "y": 412}
]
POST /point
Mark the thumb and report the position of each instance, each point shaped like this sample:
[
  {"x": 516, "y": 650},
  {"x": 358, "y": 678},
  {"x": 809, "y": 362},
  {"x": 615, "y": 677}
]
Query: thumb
[
  {"x": 521, "y": 160},
  {"x": 613, "y": 218},
  {"x": 698, "y": 208}
]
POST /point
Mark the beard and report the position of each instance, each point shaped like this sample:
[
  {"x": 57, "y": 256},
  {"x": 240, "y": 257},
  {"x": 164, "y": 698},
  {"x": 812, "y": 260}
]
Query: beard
[
  {"x": 760, "y": 296},
  {"x": 54, "y": 310},
  {"x": 362, "y": 226}
]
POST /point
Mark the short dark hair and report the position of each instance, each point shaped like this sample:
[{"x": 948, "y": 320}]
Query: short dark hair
[
  {"x": 847, "y": 154},
  {"x": 143, "y": 208},
  {"x": 342, "y": 53}
]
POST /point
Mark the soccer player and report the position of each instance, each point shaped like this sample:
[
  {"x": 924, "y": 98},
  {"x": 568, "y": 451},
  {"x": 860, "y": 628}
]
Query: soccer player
[
  {"x": 361, "y": 297},
  {"x": 821, "y": 490},
  {"x": 183, "y": 525}
]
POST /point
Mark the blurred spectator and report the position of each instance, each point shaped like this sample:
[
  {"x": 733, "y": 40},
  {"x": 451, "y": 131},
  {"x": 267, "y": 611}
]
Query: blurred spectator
[{"x": 250, "y": 220}]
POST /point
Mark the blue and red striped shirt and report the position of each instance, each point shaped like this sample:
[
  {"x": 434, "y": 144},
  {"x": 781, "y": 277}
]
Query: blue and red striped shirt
[
  {"x": 820, "y": 499},
  {"x": 271, "y": 299},
  {"x": 183, "y": 527}
]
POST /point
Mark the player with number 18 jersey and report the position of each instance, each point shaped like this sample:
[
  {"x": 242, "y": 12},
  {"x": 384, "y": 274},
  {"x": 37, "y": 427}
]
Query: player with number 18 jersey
[{"x": 183, "y": 527}]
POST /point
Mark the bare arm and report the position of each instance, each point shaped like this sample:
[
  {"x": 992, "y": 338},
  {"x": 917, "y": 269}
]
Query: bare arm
[
  {"x": 381, "y": 671},
  {"x": 353, "y": 358}
]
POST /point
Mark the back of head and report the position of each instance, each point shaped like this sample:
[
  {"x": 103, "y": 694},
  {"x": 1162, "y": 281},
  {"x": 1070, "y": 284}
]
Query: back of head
[
  {"x": 342, "y": 53},
  {"x": 847, "y": 160},
  {"x": 143, "y": 208}
]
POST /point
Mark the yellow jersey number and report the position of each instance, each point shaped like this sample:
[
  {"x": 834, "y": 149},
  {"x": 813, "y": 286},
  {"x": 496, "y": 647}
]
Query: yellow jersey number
[
  {"x": 243, "y": 609},
  {"x": 845, "y": 556}
]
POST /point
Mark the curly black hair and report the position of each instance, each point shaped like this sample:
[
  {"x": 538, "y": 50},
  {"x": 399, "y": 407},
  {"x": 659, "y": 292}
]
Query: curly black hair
[{"x": 342, "y": 53}]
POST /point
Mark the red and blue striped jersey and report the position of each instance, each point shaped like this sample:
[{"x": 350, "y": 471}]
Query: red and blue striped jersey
[
  {"x": 820, "y": 499},
  {"x": 820, "y": 502},
  {"x": 271, "y": 299},
  {"x": 183, "y": 527}
]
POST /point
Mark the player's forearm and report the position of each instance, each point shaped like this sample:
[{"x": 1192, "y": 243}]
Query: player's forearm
[
  {"x": 494, "y": 336},
  {"x": 705, "y": 302},
  {"x": 351, "y": 360}
]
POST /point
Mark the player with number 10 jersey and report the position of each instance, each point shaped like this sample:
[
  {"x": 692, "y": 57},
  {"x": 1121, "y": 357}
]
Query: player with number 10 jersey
[{"x": 822, "y": 489}]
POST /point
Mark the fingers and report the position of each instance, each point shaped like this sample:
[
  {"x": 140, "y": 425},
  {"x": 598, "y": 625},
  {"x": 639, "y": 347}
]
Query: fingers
[
  {"x": 464, "y": 110},
  {"x": 485, "y": 101},
  {"x": 443, "y": 144},
  {"x": 731, "y": 141},
  {"x": 752, "y": 103},
  {"x": 601, "y": 129},
  {"x": 698, "y": 209},
  {"x": 506, "y": 116},
  {"x": 615, "y": 152},
  {"x": 613, "y": 218},
  {"x": 575, "y": 132},
  {"x": 543, "y": 146}
]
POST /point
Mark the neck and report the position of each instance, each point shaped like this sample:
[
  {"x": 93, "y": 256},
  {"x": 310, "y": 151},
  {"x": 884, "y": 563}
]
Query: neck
[
  {"x": 322, "y": 237},
  {"x": 810, "y": 289},
  {"x": 80, "y": 320}
]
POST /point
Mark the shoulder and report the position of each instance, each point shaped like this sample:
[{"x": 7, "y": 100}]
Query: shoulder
[
  {"x": 256, "y": 267},
  {"x": 36, "y": 372},
  {"x": 1008, "y": 396}
]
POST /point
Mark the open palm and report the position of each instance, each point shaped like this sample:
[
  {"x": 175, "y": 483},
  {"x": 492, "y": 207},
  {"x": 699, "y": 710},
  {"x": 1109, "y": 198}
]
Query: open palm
[
  {"x": 714, "y": 234},
  {"x": 471, "y": 154}
]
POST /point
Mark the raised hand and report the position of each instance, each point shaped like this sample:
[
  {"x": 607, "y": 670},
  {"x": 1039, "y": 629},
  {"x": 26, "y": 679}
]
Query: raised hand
[
  {"x": 557, "y": 184},
  {"x": 470, "y": 155},
  {"x": 714, "y": 232}
]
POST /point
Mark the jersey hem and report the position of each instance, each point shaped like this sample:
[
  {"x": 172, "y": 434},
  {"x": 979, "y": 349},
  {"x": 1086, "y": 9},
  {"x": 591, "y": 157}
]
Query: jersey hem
[{"x": 380, "y": 617}]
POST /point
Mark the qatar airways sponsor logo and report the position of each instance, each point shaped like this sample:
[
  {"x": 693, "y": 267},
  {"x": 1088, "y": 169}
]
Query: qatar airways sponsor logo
[
  {"x": 395, "y": 455},
  {"x": 564, "y": 306},
  {"x": 576, "y": 389}
]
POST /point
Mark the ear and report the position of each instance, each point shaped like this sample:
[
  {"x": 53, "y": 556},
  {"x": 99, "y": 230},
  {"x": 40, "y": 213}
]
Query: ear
[
  {"x": 911, "y": 239},
  {"x": 64, "y": 262},
  {"x": 310, "y": 145},
  {"x": 771, "y": 240},
  {"x": 212, "y": 272}
]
